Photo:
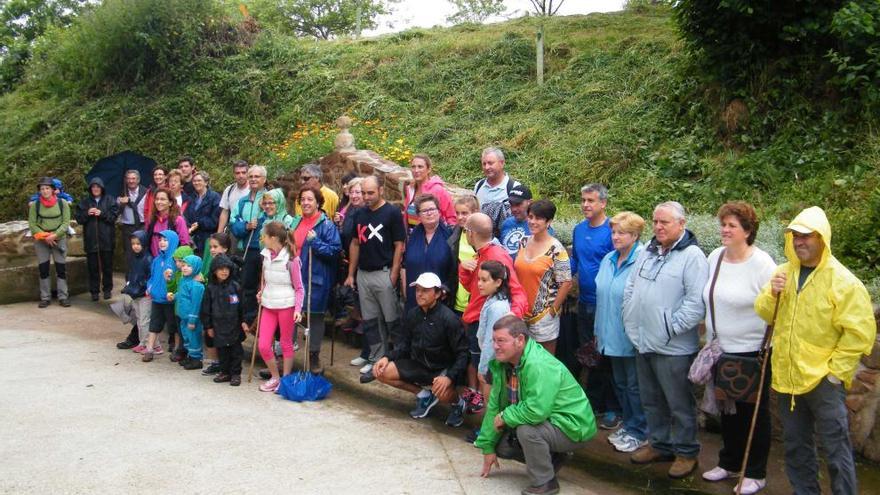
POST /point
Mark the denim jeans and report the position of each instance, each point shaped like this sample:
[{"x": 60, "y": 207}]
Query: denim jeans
[
  {"x": 669, "y": 403},
  {"x": 626, "y": 384}
]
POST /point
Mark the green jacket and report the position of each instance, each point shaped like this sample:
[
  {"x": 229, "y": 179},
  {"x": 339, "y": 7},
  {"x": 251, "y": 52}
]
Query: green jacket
[
  {"x": 547, "y": 391},
  {"x": 55, "y": 219}
]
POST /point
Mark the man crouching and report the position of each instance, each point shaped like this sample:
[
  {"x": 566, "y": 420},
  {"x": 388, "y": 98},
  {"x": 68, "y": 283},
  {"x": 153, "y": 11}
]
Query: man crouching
[
  {"x": 537, "y": 412},
  {"x": 432, "y": 354}
]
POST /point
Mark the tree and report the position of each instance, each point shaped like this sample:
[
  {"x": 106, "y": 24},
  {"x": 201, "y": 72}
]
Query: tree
[
  {"x": 325, "y": 19},
  {"x": 544, "y": 8},
  {"x": 475, "y": 11},
  {"x": 21, "y": 23}
]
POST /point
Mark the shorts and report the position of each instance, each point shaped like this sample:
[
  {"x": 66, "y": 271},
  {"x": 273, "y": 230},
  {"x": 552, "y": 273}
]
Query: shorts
[
  {"x": 412, "y": 371},
  {"x": 473, "y": 342},
  {"x": 545, "y": 329},
  {"x": 162, "y": 317}
]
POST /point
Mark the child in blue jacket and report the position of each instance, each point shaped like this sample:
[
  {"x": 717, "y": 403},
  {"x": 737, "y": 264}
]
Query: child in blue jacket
[
  {"x": 188, "y": 300},
  {"x": 161, "y": 309}
]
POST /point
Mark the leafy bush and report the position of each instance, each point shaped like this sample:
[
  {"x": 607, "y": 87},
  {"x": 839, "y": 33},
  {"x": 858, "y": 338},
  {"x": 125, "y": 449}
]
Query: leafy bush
[{"x": 857, "y": 60}]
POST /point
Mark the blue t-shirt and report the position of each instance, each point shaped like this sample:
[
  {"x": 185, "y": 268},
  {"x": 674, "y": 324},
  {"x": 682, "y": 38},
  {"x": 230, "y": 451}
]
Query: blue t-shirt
[
  {"x": 513, "y": 231},
  {"x": 588, "y": 246}
]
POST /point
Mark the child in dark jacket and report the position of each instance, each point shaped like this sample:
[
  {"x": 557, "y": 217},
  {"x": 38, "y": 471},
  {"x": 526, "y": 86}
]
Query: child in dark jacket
[
  {"x": 188, "y": 302},
  {"x": 219, "y": 243},
  {"x": 134, "y": 305},
  {"x": 222, "y": 316},
  {"x": 97, "y": 214}
]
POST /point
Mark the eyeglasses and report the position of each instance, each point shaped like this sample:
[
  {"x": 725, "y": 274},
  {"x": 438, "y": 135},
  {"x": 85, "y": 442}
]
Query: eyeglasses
[
  {"x": 428, "y": 210},
  {"x": 651, "y": 272},
  {"x": 306, "y": 178}
]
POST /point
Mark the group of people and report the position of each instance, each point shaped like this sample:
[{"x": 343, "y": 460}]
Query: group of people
[{"x": 459, "y": 301}]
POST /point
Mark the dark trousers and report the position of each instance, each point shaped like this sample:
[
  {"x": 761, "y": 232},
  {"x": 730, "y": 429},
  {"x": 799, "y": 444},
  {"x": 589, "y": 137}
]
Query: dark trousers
[
  {"x": 820, "y": 412},
  {"x": 100, "y": 265},
  {"x": 250, "y": 283},
  {"x": 230, "y": 358},
  {"x": 125, "y": 231},
  {"x": 162, "y": 316},
  {"x": 735, "y": 433},
  {"x": 600, "y": 382}
]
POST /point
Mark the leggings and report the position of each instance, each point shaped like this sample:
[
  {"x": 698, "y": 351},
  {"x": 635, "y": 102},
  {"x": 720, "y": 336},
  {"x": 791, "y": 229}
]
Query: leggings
[{"x": 270, "y": 319}]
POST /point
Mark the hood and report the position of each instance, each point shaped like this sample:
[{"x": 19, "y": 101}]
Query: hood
[
  {"x": 173, "y": 240},
  {"x": 182, "y": 252},
  {"x": 56, "y": 183},
  {"x": 141, "y": 236},
  {"x": 814, "y": 219},
  {"x": 687, "y": 239},
  {"x": 432, "y": 182},
  {"x": 99, "y": 182},
  {"x": 195, "y": 262},
  {"x": 277, "y": 194},
  {"x": 221, "y": 261}
]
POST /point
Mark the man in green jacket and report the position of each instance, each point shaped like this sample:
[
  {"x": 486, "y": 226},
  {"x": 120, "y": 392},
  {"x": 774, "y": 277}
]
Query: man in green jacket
[{"x": 537, "y": 412}]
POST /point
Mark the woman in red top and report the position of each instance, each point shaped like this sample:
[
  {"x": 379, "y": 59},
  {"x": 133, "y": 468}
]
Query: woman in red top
[{"x": 160, "y": 180}]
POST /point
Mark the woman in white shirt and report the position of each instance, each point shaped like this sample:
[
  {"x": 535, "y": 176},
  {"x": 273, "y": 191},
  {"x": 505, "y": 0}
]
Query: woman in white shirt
[{"x": 744, "y": 271}]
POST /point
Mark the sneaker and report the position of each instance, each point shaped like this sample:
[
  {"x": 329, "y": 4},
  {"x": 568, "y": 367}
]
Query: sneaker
[
  {"x": 212, "y": 369},
  {"x": 750, "y": 486},
  {"x": 717, "y": 473},
  {"x": 558, "y": 459},
  {"x": 43, "y": 304},
  {"x": 616, "y": 436},
  {"x": 158, "y": 350},
  {"x": 140, "y": 348},
  {"x": 358, "y": 361},
  {"x": 193, "y": 364},
  {"x": 65, "y": 303},
  {"x": 182, "y": 362},
  {"x": 222, "y": 378},
  {"x": 423, "y": 406},
  {"x": 95, "y": 297},
  {"x": 366, "y": 368},
  {"x": 549, "y": 488},
  {"x": 148, "y": 356},
  {"x": 126, "y": 345},
  {"x": 295, "y": 346},
  {"x": 472, "y": 435},
  {"x": 367, "y": 377},
  {"x": 610, "y": 421},
  {"x": 629, "y": 444},
  {"x": 270, "y": 385},
  {"x": 235, "y": 380},
  {"x": 456, "y": 415},
  {"x": 178, "y": 356},
  {"x": 476, "y": 404},
  {"x": 107, "y": 294}
]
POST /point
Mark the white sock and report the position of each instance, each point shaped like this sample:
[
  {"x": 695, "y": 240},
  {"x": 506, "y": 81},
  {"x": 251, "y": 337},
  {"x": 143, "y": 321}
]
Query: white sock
[{"x": 425, "y": 392}]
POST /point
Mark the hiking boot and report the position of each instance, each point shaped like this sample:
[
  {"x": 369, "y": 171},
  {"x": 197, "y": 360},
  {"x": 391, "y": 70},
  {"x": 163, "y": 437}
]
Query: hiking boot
[
  {"x": 193, "y": 364},
  {"x": 222, "y": 378},
  {"x": 95, "y": 297},
  {"x": 182, "y": 362},
  {"x": 560, "y": 458},
  {"x": 43, "y": 304},
  {"x": 65, "y": 303},
  {"x": 368, "y": 376},
  {"x": 125, "y": 345},
  {"x": 315, "y": 363},
  {"x": 107, "y": 294},
  {"x": 148, "y": 356},
  {"x": 610, "y": 421},
  {"x": 212, "y": 369},
  {"x": 235, "y": 380},
  {"x": 178, "y": 356},
  {"x": 549, "y": 488},
  {"x": 682, "y": 467},
  {"x": 423, "y": 405},
  {"x": 456, "y": 415},
  {"x": 648, "y": 455}
]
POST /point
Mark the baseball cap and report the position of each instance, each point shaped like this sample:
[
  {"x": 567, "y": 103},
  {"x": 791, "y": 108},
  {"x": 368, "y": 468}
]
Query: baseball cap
[
  {"x": 519, "y": 193},
  {"x": 428, "y": 280},
  {"x": 801, "y": 229}
]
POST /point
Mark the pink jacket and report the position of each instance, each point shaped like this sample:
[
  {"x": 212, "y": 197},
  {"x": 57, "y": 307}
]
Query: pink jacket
[{"x": 434, "y": 185}]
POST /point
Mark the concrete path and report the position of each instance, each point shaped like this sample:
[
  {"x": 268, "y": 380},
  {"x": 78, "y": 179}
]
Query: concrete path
[{"x": 80, "y": 416}]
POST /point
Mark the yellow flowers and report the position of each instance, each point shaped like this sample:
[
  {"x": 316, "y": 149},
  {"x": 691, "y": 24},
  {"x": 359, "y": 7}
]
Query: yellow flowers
[{"x": 310, "y": 140}]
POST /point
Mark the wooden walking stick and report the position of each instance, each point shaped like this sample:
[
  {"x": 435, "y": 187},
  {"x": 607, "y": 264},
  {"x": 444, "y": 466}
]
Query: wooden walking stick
[
  {"x": 766, "y": 357},
  {"x": 308, "y": 360},
  {"x": 256, "y": 334}
]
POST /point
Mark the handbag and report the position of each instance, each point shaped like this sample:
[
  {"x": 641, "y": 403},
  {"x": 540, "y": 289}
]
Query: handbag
[{"x": 701, "y": 369}]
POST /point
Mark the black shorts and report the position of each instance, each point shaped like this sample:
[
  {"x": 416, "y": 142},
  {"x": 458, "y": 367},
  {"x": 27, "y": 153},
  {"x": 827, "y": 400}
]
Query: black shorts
[
  {"x": 412, "y": 371},
  {"x": 473, "y": 342}
]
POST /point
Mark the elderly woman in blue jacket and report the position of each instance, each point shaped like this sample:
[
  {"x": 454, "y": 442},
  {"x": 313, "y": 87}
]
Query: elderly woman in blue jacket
[
  {"x": 611, "y": 338},
  {"x": 316, "y": 239}
]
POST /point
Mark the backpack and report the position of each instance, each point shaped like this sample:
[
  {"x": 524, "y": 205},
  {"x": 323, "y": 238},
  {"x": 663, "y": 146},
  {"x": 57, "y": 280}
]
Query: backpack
[
  {"x": 40, "y": 217},
  {"x": 510, "y": 183}
]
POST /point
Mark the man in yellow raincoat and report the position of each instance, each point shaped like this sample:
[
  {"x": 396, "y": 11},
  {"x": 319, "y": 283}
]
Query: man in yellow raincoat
[{"x": 824, "y": 324}]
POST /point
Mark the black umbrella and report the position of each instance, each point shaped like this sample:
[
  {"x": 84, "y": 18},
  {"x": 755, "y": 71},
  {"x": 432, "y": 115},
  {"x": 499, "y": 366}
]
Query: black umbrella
[{"x": 112, "y": 170}]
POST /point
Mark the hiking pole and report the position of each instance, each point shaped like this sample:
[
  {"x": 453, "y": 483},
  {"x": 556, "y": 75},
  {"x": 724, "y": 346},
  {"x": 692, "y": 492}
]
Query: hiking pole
[
  {"x": 764, "y": 348},
  {"x": 332, "y": 342},
  {"x": 256, "y": 335}
]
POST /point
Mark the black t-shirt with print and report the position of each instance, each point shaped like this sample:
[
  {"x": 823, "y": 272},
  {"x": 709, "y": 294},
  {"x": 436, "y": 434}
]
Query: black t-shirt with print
[{"x": 376, "y": 232}]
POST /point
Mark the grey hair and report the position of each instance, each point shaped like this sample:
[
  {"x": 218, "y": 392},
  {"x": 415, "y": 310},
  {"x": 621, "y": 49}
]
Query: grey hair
[
  {"x": 514, "y": 326},
  {"x": 597, "y": 188},
  {"x": 258, "y": 169},
  {"x": 675, "y": 207},
  {"x": 313, "y": 170},
  {"x": 204, "y": 175},
  {"x": 133, "y": 171},
  {"x": 495, "y": 151},
  {"x": 240, "y": 164}
]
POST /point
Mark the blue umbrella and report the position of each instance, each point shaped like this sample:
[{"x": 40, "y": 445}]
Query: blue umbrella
[{"x": 112, "y": 170}]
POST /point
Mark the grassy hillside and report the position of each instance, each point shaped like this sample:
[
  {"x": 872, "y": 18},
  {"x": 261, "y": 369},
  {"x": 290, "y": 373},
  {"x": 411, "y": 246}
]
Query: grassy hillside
[{"x": 620, "y": 105}]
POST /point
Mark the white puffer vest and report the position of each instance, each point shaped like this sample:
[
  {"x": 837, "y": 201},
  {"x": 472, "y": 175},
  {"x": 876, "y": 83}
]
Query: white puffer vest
[{"x": 278, "y": 292}]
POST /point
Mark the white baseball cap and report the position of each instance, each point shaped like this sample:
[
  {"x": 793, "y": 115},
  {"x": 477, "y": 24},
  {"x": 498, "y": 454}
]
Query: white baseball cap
[{"x": 428, "y": 280}]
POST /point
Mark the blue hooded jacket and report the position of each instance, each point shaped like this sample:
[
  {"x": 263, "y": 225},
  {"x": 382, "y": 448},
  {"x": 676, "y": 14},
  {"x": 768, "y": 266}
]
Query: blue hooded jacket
[
  {"x": 325, "y": 248},
  {"x": 157, "y": 288},
  {"x": 189, "y": 294},
  {"x": 139, "y": 268}
]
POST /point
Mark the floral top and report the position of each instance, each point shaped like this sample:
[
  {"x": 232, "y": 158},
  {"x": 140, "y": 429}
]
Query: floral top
[{"x": 541, "y": 276}]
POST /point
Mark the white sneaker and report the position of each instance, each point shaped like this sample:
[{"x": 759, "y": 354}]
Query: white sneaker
[
  {"x": 751, "y": 485},
  {"x": 717, "y": 473},
  {"x": 629, "y": 443},
  {"x": 359, "y": 361},
  {"x": 366, "y": 369},
  {"x": 616, "y": 436}
]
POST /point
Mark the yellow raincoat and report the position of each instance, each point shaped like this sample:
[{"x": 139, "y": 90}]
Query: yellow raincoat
[{"x": 823, "y": 329}]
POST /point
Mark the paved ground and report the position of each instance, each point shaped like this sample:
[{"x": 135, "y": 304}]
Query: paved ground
[{"x": 79, "y": 416}]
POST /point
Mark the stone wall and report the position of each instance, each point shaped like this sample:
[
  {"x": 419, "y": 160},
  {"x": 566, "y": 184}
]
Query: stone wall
[{"x": 18, "y": 264}]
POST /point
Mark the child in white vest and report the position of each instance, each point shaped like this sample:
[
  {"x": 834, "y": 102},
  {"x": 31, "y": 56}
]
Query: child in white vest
[{"x": 281, "y": 297}]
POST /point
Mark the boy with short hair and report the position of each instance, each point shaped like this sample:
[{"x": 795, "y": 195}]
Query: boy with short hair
[
  {"x": 135, "y": 306},
  {"x": 222, "y": 316}
]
